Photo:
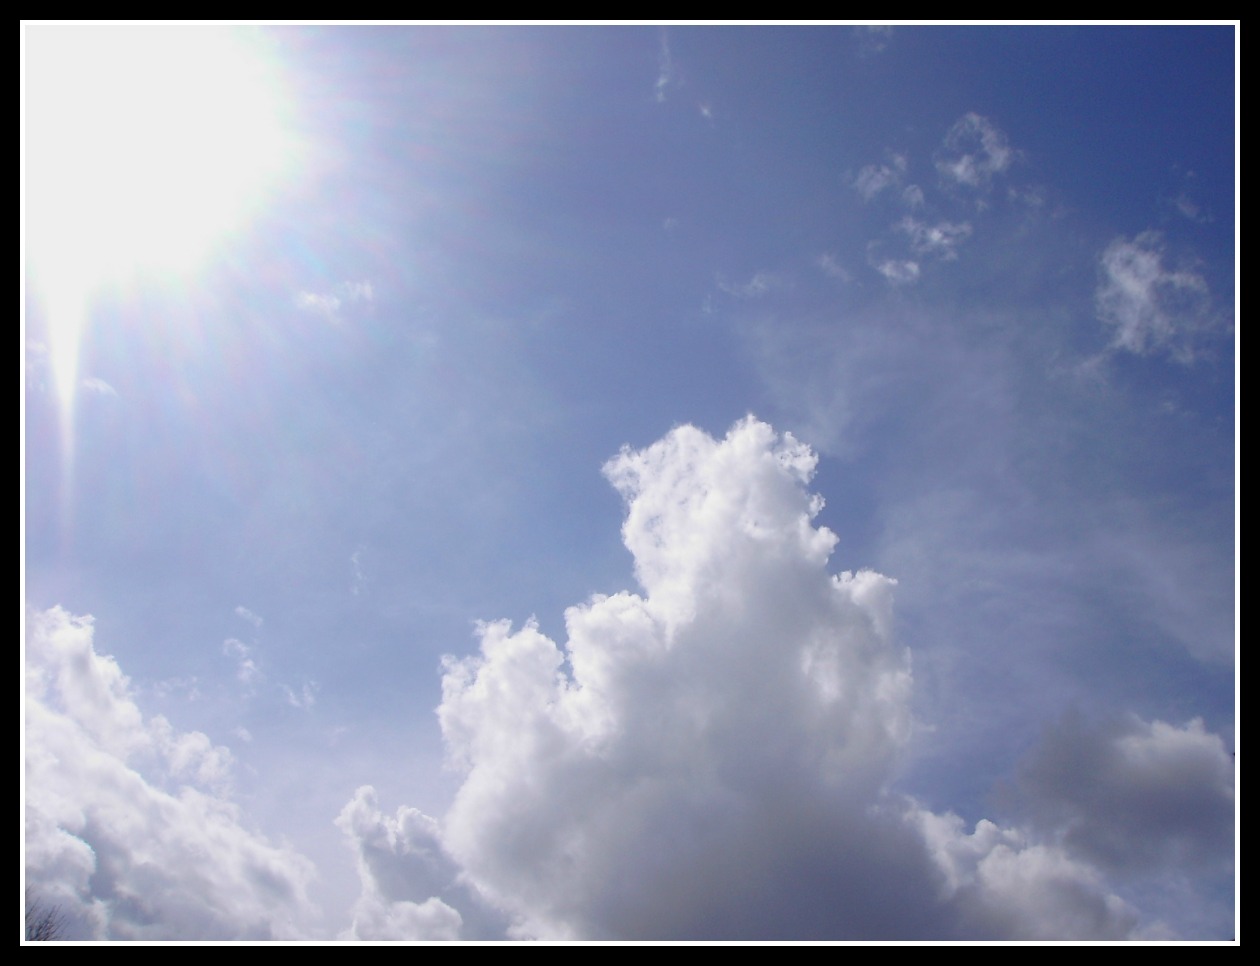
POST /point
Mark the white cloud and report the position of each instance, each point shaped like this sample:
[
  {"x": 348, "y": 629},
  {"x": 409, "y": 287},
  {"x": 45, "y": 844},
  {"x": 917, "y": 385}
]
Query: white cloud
[
  {"x": 330, "y": 304},
  {"x": 1149, "y": 305},
  {"x": 247, "y": 671},
  {"x": 974, "y": 151},
  {"x": 1004, "y": 884},
  {"x": 664, "y": 69},
  {"x": 100, "y": 386},
  {"x": 128, "y": 825},
  {"x": 898, "y": 271},
  {"x": 710, "y": 758},
  {"x": 941, "y": 239},
  {"x": 912, "y": 196},
  {"x": 402, "y": 866},
  {"x": 303, "y": 699},
  {"x": 245, "y": 614},
  {"x": 321, "y": 304},
  {"x": 874, "y": 178},
  {"x": 873, "y": 40}
]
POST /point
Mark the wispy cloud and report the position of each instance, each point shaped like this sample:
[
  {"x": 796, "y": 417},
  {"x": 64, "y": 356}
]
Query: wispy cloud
[
  {"x": 303, "y": 699},
  {"x": 873, "y": 40},
  {"x": 832, "y": 268},
  {"x": 245, "y": 614},
  {"x": 973, "y": 152},
  {"x": 99, "y": 386},
  {"x": 762, "y": 283},
  {"x": 874, "y": 178},
  {"x": 247, "y": 671},
  {"x": 1148, "y": 305},
  {"x": 941, "y": 239},
  {"x": 664, "y": 69},
  {"x": 898, "y": 271},
  {"x": 330, "y": 304}
]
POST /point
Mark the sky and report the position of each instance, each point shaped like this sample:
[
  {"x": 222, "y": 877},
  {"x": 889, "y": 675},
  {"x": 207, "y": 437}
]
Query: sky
[{"x": 630, "y": 482}]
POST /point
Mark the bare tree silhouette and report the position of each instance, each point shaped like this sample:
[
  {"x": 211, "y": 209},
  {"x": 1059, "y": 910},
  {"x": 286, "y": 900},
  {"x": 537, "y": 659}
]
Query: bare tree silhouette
[{"x": 44, "y": 923}]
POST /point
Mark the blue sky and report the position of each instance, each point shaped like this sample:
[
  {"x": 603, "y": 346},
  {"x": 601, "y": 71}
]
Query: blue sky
[{"x": 631, "y": 482}]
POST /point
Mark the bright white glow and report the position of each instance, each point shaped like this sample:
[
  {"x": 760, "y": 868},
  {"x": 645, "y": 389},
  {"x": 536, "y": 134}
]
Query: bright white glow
[{"x": 143, "y": 146}]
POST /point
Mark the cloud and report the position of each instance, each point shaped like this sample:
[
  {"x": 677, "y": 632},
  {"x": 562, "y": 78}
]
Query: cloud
[
  {"x": 129, "y": 827},
  {"x": 711, "y": 757},
  {"x": 1191, "y": 210},
  {"x": 912, "y": 196},
  {"x": 100, "y": 386},
  {"x": 898, "y": 271},
  {"x": 321, "y": 304},
  {"x": 664, "y": 69},
  {"x": 1132, "y": 795},
  {"x": 832, "y": 268},
  {"x": 245, "y": 614},
  {"x": 330, "y": 304},
  {"x": 762, "y": 283},
  {"x": 873, "y": 40},
  {"x": 247, "y": 671},
  {"x": 941, "y": 239},
  {"x": 304, "y": 699},
  {"x": 1147, "y": 304},
  {"x": 402, "y": 866},
  {"x": 874, "y": 178},
  {"x": 973, "y": 152}
]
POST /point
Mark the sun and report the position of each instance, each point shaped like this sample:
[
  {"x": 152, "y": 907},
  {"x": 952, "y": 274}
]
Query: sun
[{"x": 143, "y": 146}]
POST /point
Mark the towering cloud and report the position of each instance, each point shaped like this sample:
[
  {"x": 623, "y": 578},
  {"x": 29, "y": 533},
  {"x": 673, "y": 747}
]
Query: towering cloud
[{"x": 710, "y": 758}]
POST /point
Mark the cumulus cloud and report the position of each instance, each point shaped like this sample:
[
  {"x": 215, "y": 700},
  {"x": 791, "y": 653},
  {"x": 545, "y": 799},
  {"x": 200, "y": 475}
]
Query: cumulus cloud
[
  {"x": 710, "y": 757},
  {"x": 402, "y": 867},
  {"x": 129, "y": 825},
  {"x": 1132, "y": 795},
  {"x": 973, "y": 152},
  {"x": 1149, "y": 305}
]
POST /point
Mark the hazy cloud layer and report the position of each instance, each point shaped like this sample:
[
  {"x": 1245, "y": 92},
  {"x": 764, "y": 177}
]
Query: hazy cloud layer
[{"x": 129, "y": 826}]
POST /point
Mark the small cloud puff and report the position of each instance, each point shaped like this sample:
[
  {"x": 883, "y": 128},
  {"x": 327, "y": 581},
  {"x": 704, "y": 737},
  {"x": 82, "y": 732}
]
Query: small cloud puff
[
  {"x": 941, "y": 240},
  {"x": 973, "y": 152},
  {"x": 874, "y": 178},
  {"x": 329, "y": 304},
  {"x": 898, "y": 271}
]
